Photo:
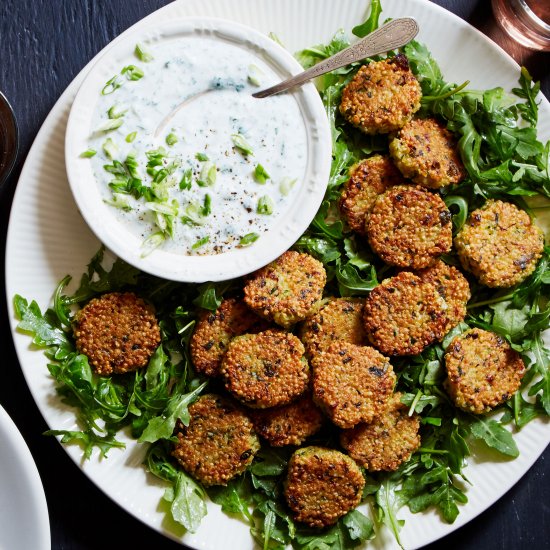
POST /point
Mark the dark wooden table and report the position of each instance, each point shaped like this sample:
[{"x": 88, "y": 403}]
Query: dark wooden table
[{"x": 43, "y": 45}]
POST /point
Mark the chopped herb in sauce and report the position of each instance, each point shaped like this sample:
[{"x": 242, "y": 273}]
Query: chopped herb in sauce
[
  {"x": 171, "y": 139},
  {"x": 186, "y": 179},
  {"x": 110, "y": 148},
  {"x": 113, "y": 112},
  {"x": 208, "y": 175},
  {"x": 143, "y": 54},
  {"x": 248, "y": 239},
  {"x": 265, "y": 205},
  {"x": 132, "y": 72},
  {"x": 260, "y": 174},
  {"x": 111, "y": 85},
  {"x": 240, "y": 143},
  {"x": 111, "y": 124},
  {"x": 200, "y": 243},
  {"x": 254, "y": 75}
]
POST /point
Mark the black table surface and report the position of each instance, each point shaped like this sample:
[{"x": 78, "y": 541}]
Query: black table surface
[{"x": 43, "y": 46}]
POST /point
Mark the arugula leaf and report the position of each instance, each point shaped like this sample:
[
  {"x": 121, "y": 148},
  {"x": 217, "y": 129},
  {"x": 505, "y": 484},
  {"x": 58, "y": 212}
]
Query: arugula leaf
[
  {"x": 162, "y": 427},
  {"x": 389, "y": 500},
  {"x": 187, "y": 502},
  {"x": 88, "y": 440},
  {"x": 372, "y": 21},
  {"x": 495, "y": 435},
  {"x": 41, "y": 327}
]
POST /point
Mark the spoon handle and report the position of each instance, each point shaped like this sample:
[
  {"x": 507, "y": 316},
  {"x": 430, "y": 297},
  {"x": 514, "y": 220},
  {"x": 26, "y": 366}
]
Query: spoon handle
[{"x": 390, "y": 36}]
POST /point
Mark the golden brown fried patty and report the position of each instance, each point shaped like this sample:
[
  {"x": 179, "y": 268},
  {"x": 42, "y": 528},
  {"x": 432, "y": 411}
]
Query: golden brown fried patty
[
  {"x": 287, "y": 290},
  {"x": 118, "y": 332},
  {"x": 483, "y": 370},
  {"x": 426, "y": 152},
  {"x": 386, "y": 443},
  {"x": 322, "y": 485},
  {"x": 352, "y": 384},
  {"x": 499, "y": 244},
  {"x": 382, "y": 97},
  {"x": 219, "y": 442},
  {"x": 452, "y": 286},
  {"x": 214, "y": 331},
  {"x": 265, "y": 369},
  {"x": 403, "y": 315},
  {"x": 368, "y": 179},
  {"x": 289, "y": 424},
  {"x": 338, "y": 319},
  {"x": 409, "y": 227}
]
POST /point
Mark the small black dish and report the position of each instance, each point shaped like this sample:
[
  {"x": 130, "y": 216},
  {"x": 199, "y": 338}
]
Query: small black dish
[{"x": 9, "y": 139}]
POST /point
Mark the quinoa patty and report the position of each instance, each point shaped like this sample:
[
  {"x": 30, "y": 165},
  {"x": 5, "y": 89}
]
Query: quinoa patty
[
  {"x": 322, "y": 485},
  {"x": 382, "y": 97},
  {"x": 214, "y": 331},
  {"x": 265, "y": 369},
  {"x": 410, "y": 227},
  {"x": 219, "y": 442},
  {"x": 403, "y": 315},
  {"x": 288, "y": 289},
  {"x": 368, "y": 179},
  {"x": 352, "y": 384},
  {"x": 499, "y": 244},
  {"x": 452, "y": 286},
  {"x": 289, "y": 424},
  {"x": 426, "y": 152},
  {"x": 483, "y": 370},
  {"x": 386, "y": 443},
  {"x": 118, "y": 332},
  {"x": 338, "y": 319}
]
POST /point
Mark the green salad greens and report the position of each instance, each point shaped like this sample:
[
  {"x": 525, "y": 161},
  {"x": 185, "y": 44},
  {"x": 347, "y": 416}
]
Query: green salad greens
[{"x": 504, "y": 159}]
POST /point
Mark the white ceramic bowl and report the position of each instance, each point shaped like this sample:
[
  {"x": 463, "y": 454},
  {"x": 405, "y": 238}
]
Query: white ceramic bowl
[{"x": 171, "y": 262}]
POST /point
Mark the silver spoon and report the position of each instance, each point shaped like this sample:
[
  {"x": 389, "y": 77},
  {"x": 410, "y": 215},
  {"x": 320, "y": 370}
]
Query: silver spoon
[{"x": 390, "y": 36}]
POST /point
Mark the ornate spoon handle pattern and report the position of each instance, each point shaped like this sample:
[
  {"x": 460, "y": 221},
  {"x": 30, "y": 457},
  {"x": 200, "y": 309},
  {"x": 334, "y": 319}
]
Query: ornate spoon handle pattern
[{"x": 390, "y": 36}]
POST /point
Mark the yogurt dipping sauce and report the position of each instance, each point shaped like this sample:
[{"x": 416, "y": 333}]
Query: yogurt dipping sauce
[{"x": 220, "y": 165}]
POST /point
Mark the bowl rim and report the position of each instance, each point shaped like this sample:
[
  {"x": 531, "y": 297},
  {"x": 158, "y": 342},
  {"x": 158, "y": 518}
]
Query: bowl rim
[{"x": 237, "y": 262}]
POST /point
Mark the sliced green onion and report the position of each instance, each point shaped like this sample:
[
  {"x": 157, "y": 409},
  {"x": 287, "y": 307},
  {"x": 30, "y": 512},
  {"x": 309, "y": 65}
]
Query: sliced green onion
[
  {"x": 171, "y": 139},
  {"x": 142, "y": 53},
  {"x": 130, "y": 137},
  {"x": 208, "y": 175},
  {"x": 193, "y": 214},
  {"x": 110, "y": 148},
  {"x": 132, "y": 72},
  {"x": 240, "y": 143},
  {"x": 286, "y": 185},
  {"x": 254, "y": 75},
  {"x": 131, "y": 164},
  {"x": 265, "y": 205},
  {"x": 114, "y": 113},
  {"x": 111, "y": 124},
  {"x": 200, "y": 242},
  {"x": 163, "y": 208},
  {"x": 206, "y": 209},
  {"x": 260, "y": 174},
  {"x": 119, "y": 201},
  {"x": 186, "y": 179},
  {"x": 88, "y": 153},
  {"x": 249, "y": 239},
  {"x": 202, "y": 157},
  {"x": 152, "y": 242},
  {"x": 111, "y": 85}
]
